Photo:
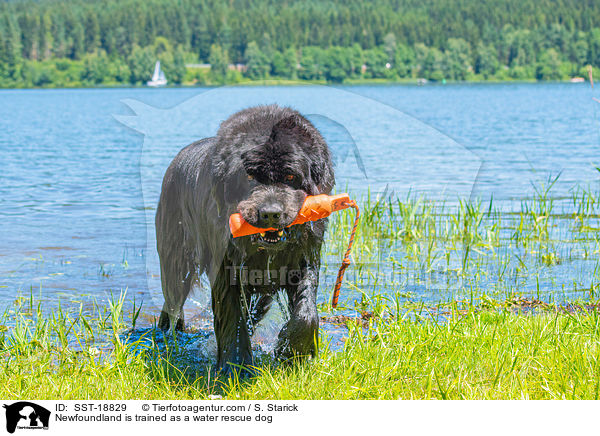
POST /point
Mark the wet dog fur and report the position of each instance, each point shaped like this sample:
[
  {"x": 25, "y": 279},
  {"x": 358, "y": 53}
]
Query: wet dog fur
[{"x": 262, "y": 163}]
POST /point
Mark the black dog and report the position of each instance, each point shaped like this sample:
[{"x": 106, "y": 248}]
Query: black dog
[{"x": 263, "y": 162}]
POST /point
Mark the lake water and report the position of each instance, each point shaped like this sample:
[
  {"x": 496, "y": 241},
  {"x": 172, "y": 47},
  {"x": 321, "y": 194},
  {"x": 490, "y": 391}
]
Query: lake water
[{"x": 80, "y": 170}]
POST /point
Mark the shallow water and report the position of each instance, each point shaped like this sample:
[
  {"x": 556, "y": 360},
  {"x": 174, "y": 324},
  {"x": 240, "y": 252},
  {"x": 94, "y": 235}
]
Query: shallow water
[{"x": 77, "y": 187}]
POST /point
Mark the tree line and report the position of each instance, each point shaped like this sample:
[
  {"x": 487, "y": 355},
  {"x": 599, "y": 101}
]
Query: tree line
[{"x": 77, "y": 42}]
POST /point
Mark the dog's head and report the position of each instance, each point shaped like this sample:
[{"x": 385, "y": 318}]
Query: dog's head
[{"x": 270, "y": 158}]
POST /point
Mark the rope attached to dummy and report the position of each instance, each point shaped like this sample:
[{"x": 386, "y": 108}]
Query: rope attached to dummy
[{"x": 346, "y": 259}]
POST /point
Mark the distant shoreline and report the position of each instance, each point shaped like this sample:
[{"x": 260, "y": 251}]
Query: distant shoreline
[{"x": 285, "y": 82}]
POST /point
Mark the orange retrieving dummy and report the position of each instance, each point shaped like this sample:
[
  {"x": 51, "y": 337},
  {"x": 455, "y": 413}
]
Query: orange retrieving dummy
[{"x": 315, "y": 207}]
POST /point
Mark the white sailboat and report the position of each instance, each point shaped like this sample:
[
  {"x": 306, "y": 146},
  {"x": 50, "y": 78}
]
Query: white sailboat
[{"x": 158, "y": 78}]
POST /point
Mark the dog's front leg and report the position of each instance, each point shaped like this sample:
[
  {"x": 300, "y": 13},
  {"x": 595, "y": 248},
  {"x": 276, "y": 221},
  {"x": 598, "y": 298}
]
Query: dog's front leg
[
  {"x": 299, "y": 335},
  {"x": 231, "y": 323}
]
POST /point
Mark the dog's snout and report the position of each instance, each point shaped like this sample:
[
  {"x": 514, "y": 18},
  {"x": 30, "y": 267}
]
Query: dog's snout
[{"x": 270, "y": 215}]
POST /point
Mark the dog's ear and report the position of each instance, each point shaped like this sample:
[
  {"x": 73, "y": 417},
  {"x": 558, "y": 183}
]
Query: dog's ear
[
  {"x": 235, "y": 186},
  {"x": 321, "y": 172},
  {"x": 230, "y": 185}
]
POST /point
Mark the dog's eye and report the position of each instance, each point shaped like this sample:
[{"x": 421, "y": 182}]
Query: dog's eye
[
  {"x": 250, "y": 177},
  {"x": 290, "y": 177}
]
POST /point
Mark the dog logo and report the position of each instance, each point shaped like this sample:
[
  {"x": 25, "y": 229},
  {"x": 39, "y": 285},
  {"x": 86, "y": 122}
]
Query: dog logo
[
  {"x": 26, "y": 415},
  {"x": 294, "y": 277}
]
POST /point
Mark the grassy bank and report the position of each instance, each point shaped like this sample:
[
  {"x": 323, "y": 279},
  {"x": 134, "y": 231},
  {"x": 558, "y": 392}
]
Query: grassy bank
[
  {"x": 454, "y": 300},
  {"x": 474, "y": 354}
]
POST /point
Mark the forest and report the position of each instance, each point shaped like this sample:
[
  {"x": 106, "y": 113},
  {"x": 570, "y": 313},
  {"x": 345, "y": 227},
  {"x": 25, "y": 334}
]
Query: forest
[{"x": 67, "y": 43}]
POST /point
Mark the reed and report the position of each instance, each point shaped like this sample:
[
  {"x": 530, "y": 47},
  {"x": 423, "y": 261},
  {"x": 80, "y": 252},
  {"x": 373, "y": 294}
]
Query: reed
[
  {"x": 453, "y": 247},
  {"x": 433, "y": 307}
]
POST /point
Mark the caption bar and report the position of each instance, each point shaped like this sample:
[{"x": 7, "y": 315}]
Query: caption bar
[{"x": 155, "y": 417}]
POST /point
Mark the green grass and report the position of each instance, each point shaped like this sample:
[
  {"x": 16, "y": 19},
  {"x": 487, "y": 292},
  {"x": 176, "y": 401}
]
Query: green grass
[
  {"x": 474, "y": 354},
  {"x": 485, "y": 355},
  {"x": 486, "y": 260}
]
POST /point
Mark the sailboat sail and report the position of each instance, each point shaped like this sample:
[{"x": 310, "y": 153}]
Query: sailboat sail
[{"x": 158, "y": 77}]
